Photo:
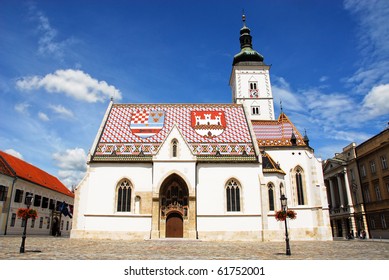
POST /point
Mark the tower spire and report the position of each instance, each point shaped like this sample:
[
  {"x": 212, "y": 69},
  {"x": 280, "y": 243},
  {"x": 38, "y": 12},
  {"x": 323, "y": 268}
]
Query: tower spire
[{"x": 247, "y": 53}]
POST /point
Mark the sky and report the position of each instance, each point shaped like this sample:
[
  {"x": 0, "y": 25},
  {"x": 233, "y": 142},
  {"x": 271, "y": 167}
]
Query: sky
[{"x": 62, "y": 61}]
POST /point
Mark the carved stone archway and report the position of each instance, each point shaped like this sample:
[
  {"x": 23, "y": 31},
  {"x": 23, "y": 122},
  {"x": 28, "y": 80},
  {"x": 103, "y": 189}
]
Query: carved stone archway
[{"x": 174, "y": 210}]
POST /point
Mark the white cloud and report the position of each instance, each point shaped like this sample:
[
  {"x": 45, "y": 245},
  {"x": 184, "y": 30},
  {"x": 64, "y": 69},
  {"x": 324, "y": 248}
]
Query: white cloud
[
  {"x": 73, "y": 83},
  {"x": 48, "y": 45},
  {"x": 62, "y": 111},
  {"x": 72, "y": 164},
  {"x": 22, "y": 108},
  {"x": 283, "y": 93},
  {"x": 43, "y": 117},
  {"x": 14, "y": 153},
  {"x": 376, "y": 102},
  {"x": 323, "y": 79},
  {"x": 373, "y": 37}
]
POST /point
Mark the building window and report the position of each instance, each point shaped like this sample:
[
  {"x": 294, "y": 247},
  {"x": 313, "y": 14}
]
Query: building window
[
  {"x": 255, "y": 110},
  {"x": 271, "y": 197},
  {"x": 3, "y": 193},
  {"x": 372, "y": 167},
  {"x": 233, "y": 196},
  {"x": 372, "y": 222},
  {"x": 300, "y": 186},
  {"x": 45, "y": 202},
  {"x": 37, "y": 200},
  {"x": 52, "y": 204},
  {"x": 387, "y": 187},
  {"x": 23, "y": 223},
  {"x": 27, "y": 194},
  {"x": 48, "y": 223},
  {"x": 62, "y": 224},
  {"x": 384, "y": 162},
  {"x": 383, "y": 221},
  {"x": 377, "y": 191},
  {"x": 363, "y": 171},
  {"x": 32, "y": 223},
  {"x": 67, "y": 225},
  {"x": 40, "y": 222},
  {"x": 366, "y": 193},
  {"x": 253, "y": 89},
  {"x": 18, "y": 196},
  {"x": 137, "y": 204},
  {"x": 13, "y": 219},
  {"x": 124, "y": 196},
  {"x": 174, "y": 147}
]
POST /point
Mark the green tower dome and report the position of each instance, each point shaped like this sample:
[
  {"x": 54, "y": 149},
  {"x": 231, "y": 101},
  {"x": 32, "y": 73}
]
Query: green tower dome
[{"x": 247, "y": 53}]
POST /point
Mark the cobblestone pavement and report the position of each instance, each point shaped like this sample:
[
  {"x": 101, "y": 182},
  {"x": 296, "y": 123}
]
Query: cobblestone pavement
[{"x": 52, "y": 248}]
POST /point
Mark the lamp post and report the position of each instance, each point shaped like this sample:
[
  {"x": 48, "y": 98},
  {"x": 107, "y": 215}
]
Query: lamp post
[
  {"x": 28, "y": 203},
  {"x": 284, "y": 205}
]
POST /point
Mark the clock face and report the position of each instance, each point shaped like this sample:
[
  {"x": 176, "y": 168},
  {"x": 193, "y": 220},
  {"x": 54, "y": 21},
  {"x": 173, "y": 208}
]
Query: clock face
[{"x": 253, "y": 93}]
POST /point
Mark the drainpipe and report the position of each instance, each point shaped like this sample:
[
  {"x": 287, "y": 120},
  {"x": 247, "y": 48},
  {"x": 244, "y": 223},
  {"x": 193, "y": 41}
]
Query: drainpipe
[{"x": 9, "y": 205}]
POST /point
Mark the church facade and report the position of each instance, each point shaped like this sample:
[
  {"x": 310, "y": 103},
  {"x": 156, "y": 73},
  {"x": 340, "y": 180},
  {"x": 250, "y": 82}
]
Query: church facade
[{"x": 203, "y": 171}]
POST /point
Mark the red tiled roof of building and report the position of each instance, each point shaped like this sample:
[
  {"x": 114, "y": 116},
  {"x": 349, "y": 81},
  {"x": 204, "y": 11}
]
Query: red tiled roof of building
[
  {"x": 33, "y": 174},
  {"x": 277, "y": 133},
  {"x": 209, "y": 129}
]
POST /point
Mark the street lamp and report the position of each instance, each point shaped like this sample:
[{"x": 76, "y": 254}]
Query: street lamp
[
  {"x": 284, "y": 205},
  {"x": 28, "y": 203}
]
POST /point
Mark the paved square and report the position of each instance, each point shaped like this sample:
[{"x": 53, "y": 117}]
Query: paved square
[{"x": 63, "y": 248}]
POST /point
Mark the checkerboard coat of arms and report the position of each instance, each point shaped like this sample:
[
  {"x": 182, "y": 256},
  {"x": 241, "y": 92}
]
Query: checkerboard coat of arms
[
  {"x": 208, "y": 123},
  {"x": 145, "y": 123}
]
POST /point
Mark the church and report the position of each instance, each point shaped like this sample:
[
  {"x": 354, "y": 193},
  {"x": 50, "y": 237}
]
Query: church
[{"x": 203, "y": 171}]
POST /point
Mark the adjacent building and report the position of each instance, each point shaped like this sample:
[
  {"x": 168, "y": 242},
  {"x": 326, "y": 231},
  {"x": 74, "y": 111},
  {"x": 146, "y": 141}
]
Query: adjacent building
[
  {"x": 19, "y": 178},
  {"x": 341, "y": 177},
  {"x": 357, "y": 181},
  {"x": 372, "y": 158},
  {"x": 203, "y": 171}
]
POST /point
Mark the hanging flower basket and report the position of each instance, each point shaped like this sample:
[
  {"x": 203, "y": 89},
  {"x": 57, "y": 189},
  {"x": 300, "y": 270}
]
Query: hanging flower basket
[
  {"x": 26, "y": 213},
  {"x": 282, "y": 215}
]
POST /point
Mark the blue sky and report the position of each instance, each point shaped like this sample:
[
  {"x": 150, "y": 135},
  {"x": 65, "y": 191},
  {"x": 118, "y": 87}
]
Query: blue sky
[{"x": 61, "y": 61}]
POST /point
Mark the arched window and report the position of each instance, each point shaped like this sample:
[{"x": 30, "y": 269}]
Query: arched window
[
  {"x": 174, "y": 147},
  {"x": 271, "y": 196},
  {"x": 299, "y": 186},
  {"x": 124, "y": 190},
  {"x": 137, "y": 204},
  {"x": 233, "y": 196}
]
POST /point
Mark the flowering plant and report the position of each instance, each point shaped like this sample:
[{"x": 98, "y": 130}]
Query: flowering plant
[
  {"x": 26, "y": 213},
  {"x": 282, "y": 215}
]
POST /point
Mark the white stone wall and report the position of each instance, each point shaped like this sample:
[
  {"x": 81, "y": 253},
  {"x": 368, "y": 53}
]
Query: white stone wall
[{"x": 213, "y": 220}]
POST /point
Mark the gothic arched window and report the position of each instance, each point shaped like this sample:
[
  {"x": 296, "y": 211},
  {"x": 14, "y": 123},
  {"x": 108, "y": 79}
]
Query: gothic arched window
[
  {"x": 271, "y": 196},
  {"x": 174, "y": 147},
  {"x": 233, "y": 196},
  {"x": 124, "y": 190},
  {"x": 299, "y": 186}
]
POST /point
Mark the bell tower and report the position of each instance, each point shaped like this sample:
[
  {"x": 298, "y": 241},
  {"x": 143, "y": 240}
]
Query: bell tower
[{"x": 250, "y": 80}]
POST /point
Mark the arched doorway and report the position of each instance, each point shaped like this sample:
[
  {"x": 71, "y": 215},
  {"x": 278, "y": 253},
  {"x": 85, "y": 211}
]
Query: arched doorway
[
  {"x": 174, "y": 225},
  {"x": 174, "y": 207}
]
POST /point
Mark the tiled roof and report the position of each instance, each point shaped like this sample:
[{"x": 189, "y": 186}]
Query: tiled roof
[
  {"x": 277, "y": 133},
  {"x": 133, "y": 130},
  {"x": 33, "y": 174}
]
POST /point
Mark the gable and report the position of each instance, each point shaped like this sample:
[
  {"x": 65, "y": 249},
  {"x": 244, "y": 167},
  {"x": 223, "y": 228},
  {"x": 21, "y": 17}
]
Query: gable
[
  {"x": 136, "y": 131},
  {"x": 165, "y": 151}
]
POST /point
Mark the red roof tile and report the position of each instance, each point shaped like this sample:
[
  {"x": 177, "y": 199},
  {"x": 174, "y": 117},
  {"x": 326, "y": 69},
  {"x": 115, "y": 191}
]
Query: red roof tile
[
  {"x": 33, "y": 174},
  {"x": 277, "y": 133}
]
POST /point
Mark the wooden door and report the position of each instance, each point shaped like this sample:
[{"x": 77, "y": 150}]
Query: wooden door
[{"x": 174, "y": 226}]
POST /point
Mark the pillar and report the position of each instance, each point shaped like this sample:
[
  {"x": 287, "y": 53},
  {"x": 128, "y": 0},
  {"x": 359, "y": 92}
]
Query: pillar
[{"x": 340, "y": 186}]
